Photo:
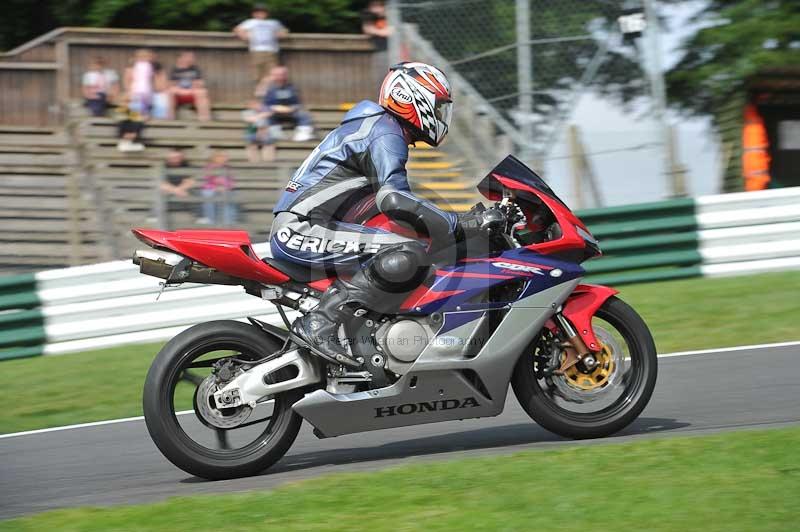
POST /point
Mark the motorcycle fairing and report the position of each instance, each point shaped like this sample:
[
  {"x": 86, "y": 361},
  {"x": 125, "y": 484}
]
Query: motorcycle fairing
[
  {"x": 529, "y": 188},
  {"x": 228, "y": 251},
  {"x": 448, "y": 381},
  {"x": 457, "y": 287}
]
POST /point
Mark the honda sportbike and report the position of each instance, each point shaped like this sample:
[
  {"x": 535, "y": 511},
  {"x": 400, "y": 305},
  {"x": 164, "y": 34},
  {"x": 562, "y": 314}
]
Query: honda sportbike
[{"x": 227, "y": 398}]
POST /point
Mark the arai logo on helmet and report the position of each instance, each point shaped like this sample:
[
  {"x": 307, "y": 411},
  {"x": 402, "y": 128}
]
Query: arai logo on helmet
[
  {"x": 400, "y": 94},
  {"x": 521, "y": 268}
]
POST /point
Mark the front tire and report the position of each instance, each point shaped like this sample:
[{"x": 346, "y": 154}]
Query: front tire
[
  {"x": 176, "y": 439},
  {"x": 545, "y": 402}
]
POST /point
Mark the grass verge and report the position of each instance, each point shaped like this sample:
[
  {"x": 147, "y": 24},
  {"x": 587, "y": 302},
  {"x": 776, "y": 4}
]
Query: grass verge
[
  {"x": 690, "y": 314},
  {"x": 736, "y": 481}
]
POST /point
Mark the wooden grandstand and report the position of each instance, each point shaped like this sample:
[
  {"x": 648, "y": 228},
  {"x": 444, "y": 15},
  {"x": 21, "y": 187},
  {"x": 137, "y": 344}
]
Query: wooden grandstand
[{"x": 71, "y": 196}]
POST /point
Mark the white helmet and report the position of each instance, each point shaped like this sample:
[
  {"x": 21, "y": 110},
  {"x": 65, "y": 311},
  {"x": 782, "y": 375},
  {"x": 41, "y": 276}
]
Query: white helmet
[{"x": 419, "y": 96}]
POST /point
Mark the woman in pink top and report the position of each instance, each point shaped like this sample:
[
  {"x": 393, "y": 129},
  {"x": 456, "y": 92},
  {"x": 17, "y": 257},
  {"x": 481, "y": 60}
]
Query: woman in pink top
[
  {"x": 139, "y": 81},
  {"x": 217, "y": 191}
]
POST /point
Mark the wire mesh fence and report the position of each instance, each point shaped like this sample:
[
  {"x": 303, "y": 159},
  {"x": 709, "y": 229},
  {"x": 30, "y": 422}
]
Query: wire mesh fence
[
  {"x": 529, "y": 66},
  {"x": 529, "y": 58}
]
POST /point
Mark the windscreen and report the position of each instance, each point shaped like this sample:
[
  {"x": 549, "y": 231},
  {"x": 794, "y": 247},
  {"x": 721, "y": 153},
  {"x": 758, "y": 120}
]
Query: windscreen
[{"x": 512, "y": 168}]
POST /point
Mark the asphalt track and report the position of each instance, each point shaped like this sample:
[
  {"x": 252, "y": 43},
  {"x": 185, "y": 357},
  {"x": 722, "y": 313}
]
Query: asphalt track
[{"x": 118, "y": 464}]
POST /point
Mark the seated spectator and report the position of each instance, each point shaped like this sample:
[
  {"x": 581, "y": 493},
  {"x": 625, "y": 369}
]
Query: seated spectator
[
  {"x": 255, "y": 134},
  {"x": 139, "y": 82},
  {"x": 100, "y": 86},
  {"x": 130, "y": 124},
  {"x": 161, "y": 96},
  {"x": 176, "y": 184},
  {"x": 282, "y": 103},
  {"x": 188, "y": 88},
  {"x": 217, "y": 192},
  {"x": 176, "y": 181}
]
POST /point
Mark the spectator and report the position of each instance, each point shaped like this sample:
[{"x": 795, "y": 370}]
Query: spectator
[
  {"x": 374, "y": 24},
  {"x": 282, "y": 103},
  {"x": 218, "y": 192},
  {"x": 176, "y": 183},
  {"x": 161, "y": 95},
  {"x": 139, "y": 82},
  {"x": 100, "y": 87},
  {"x": 130, "y": 124},
  {"x": 255, "y": 134},
  {"x": 262, "y": 34},
  {"x": 188, "y": 88}
]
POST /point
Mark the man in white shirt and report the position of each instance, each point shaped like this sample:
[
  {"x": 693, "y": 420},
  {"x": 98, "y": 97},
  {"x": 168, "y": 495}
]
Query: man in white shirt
[
  {"x": 100, "y": 86},
  {"x": 262, "y": 34}
]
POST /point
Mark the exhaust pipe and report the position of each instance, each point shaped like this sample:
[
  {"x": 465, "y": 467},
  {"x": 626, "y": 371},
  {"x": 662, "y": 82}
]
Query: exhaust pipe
[{"x": 168, "y": 266}]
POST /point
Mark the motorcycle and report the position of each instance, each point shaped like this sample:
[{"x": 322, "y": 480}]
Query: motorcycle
[{"x": 226, "y": 399}]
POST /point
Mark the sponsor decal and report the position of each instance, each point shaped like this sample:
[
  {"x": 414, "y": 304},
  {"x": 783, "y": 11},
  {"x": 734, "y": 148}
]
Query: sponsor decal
[
  {"x": 426, "y": 406},
  {"x": 401, "y": 95},
  {"x": 293, "y": 186},
  {"x": 510, "y": 267},
  {"x": 300, "y": 242}
]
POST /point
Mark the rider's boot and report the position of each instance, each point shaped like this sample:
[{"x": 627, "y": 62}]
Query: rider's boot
[
  {"x": 320, "y": 327},
  {"x": 380, "y": 287}
]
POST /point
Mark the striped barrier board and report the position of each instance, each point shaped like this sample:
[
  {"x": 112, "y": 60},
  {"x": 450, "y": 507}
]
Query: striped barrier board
[{"x": 108, "y": 304}]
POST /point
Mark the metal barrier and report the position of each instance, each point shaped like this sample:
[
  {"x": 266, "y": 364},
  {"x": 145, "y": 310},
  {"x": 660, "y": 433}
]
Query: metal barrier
[{"x": 107, "y": 304}]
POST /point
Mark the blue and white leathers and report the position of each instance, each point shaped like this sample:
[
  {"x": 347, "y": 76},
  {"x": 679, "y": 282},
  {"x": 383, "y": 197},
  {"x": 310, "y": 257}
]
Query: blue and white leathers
[{"x": 365, "y": 157}]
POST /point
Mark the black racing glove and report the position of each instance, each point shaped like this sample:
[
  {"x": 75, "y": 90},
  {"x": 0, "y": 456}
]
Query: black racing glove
[{"x": 487, "y": 221}]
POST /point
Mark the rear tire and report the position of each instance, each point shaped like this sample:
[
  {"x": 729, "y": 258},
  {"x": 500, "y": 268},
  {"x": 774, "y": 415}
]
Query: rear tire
[
  {"x": 166, "y": 431},
  {"x": 580, "y": 425}
]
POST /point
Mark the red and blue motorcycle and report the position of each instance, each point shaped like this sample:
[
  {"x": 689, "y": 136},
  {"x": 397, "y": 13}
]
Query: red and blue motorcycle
[{"x": 226, "y": 399}]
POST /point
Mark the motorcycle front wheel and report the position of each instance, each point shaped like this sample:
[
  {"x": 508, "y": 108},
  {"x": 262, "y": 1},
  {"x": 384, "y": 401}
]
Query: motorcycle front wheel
[
  {"x": 591, "y": 404},
  {"x": 183, "y": 420}
]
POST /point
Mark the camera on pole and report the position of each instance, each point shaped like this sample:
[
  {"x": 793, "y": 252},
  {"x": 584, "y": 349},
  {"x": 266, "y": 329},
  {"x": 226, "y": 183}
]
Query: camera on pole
[{"x": 632, "y": 23}]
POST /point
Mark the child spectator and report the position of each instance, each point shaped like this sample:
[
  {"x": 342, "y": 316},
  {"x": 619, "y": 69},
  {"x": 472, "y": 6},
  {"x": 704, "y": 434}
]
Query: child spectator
[
  {"x": 139, "y": 80},
  {"x": 262, "y": 34},
  {"x": 100, "y": 86},
  {"x": 188, "y": 88},
  {"x": 282, "y": 102},
  {"x": 217, "y": 192},
  {"x": 130, "y": 124},
  {"x": 256, "y": 133}
]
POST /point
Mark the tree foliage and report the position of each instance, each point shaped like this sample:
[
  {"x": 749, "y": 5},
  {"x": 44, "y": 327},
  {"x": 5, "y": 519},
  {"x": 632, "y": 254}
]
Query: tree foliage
[
  {"x": 741, "y": 37},
  {"x": 23, "y": 20}
]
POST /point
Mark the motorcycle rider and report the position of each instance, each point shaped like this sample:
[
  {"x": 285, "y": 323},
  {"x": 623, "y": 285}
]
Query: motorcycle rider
[{"x": 361, "y": 165}]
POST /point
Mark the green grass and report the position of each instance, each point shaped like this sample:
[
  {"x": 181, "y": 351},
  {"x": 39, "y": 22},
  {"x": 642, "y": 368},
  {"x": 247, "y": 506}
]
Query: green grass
[
  {"x": 690, "y": 314},
  {"x": 738, "y": 481},
  {"x": 720, "y": 312}
]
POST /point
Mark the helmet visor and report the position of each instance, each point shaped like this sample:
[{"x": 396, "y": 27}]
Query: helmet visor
[{"x": 443, "y": 111}]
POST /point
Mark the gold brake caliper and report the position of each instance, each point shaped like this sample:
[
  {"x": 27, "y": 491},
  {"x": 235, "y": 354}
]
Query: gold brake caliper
[{"x": 596, "y": 378}]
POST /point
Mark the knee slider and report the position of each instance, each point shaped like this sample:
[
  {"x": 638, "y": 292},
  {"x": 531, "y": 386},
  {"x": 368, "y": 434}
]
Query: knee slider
[{"x": 400, "y": 268}]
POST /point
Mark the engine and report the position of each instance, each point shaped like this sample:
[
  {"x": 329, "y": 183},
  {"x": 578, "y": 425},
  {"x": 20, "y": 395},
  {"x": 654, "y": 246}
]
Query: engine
[{"x": 403, "y": 340}]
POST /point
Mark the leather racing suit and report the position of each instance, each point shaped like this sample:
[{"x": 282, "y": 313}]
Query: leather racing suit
[{"x": 359, "y": 165}]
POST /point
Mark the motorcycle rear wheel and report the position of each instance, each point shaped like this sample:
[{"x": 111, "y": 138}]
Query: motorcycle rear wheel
[
  {"x": 541, "y": 401},
  {"x": 173, "y": 437}
]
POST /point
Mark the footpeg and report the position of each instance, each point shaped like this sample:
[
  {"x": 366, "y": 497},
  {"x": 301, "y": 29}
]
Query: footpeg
[{"x": 339, "y": 359}]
